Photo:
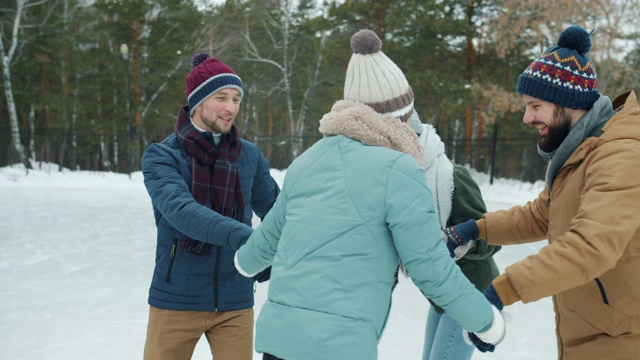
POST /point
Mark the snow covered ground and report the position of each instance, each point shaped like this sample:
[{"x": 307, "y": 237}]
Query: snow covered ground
[{"x": 77, "y": 257}]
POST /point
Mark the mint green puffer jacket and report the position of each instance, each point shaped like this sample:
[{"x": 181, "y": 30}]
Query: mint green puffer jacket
[{"x": 347, "y": 215}]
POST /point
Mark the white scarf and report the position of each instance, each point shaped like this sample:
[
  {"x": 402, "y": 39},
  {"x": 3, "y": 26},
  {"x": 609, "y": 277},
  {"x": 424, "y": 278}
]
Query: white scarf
[{"x": 438, "y": 170}]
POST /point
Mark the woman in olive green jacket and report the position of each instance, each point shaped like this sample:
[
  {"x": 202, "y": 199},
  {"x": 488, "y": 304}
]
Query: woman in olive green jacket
[{"x": 457, "y": 198}]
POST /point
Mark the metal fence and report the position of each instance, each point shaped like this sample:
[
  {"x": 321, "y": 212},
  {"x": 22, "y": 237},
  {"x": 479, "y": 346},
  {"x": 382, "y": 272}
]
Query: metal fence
[{"x": 510, "y": 158}]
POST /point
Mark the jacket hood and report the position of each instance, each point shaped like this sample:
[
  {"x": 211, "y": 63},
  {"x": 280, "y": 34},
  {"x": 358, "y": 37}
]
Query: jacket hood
[{"x": 626, "y": 119}]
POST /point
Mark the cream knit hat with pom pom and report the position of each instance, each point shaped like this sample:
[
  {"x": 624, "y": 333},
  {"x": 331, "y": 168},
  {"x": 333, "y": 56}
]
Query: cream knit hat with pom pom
[{"x": 373, "y": 79}]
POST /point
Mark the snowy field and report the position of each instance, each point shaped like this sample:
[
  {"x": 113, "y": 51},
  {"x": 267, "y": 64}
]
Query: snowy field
[{"x": 77, "y": 257}]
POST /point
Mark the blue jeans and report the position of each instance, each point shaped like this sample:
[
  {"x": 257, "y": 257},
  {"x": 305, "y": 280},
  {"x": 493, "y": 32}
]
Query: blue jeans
[{"x": 443, "y": 339}]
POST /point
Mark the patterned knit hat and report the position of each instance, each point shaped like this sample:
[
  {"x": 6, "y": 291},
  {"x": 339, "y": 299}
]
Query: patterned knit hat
[
  {"x": 563, "y": 75},
  {"x": 375, "y": 80},
  {"x": 207, "y": 76}
]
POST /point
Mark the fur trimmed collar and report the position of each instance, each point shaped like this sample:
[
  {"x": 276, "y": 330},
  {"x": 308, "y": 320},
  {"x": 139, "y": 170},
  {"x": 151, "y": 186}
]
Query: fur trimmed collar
[{"x": 360, "y": 122}]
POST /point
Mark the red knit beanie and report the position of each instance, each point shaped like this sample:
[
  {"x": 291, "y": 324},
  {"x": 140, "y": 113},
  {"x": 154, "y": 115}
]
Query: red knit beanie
[{"x": 208, "y": 75}]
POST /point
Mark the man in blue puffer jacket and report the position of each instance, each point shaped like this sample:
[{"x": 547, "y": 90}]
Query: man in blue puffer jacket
[
  {"x": 354, "y": 208},
  {"x": 205, "y": 182}
]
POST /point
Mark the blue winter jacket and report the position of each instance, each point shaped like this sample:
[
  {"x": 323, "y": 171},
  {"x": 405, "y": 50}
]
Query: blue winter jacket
[
  {"x": 347, "y": 215},
  {"x": 182, "y": 280}
]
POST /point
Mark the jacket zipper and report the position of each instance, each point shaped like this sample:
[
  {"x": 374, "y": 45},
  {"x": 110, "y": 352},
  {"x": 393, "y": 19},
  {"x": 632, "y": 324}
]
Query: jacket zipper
[
  {"x": 602, "y": 292},
  {"x": 215, "y": 279},
  {"x": 173, "y": 258}
]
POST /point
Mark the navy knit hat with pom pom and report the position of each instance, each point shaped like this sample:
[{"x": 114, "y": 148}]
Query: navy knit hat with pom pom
[
  {"x": 208, "y": 75},
  {"x": 563, "y": 75},
  {"x": 373, "y": 79}
]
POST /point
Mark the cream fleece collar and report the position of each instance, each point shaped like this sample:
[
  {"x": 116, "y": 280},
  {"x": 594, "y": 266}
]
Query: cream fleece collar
[{"x": 360, "y": 122}]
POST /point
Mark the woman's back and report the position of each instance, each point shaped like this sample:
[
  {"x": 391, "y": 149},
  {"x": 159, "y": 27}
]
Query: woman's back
[{"x": 347, "y": 214}]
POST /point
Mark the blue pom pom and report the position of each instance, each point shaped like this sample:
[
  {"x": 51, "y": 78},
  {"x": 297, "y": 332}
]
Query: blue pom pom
[
  {"x": 575, "y": 38},
  {"x": 199, "y": 59}
]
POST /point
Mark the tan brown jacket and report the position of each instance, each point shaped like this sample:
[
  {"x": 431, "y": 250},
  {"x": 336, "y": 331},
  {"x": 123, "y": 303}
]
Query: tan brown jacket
[{"x": 591, "y": 266}]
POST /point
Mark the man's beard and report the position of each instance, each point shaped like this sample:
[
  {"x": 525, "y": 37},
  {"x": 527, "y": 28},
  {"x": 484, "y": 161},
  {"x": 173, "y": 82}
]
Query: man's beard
[
  {"x": 215, "y": 127},
  {"x": 558, "y": 131}
]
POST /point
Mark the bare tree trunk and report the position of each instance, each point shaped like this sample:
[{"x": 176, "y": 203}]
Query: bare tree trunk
[
  {"x": 443, "y": 120},
  {"x": 65, "y": 94},
  {"x": 295, "y": 126},
  {"x": 45, "y": 151},
  {"x": 7, "y": 56},
  {"x": 104, "y": 153},
  {"x": 62, "y": 150},
  {"x": 116, "y": 139},
  {"x": 74, "y": 134},
  {"x": 32, "y": 132},
  {"x": 480, "y": 130},
  {"x": 470, "y": 73},
  {"x": 105, "y": 162},
  {"x": 70, "y": 115},
  {"x": 468, "y": 134},
  {"x": 285, "y": 23},
  {"x": 136, "y": 134},
  {"x": 308, "y": 95},
  {"x": 115, "y": 148},
  {"x": 143, "y": 113}
]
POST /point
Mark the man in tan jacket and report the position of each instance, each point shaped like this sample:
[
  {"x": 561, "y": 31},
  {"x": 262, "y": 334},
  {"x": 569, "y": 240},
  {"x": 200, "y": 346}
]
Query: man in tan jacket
[{"x": 589, "y": 210}]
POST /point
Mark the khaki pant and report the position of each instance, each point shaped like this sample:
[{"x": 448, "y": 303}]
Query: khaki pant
[{"x": 173, "y": 335}]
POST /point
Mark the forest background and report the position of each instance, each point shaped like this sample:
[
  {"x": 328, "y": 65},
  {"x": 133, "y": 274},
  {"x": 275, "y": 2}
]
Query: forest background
[{"x": 88, "y": 85}]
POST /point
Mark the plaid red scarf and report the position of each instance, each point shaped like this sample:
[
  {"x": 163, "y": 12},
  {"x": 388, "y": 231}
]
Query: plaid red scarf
[{"x": 215, "y": 179}]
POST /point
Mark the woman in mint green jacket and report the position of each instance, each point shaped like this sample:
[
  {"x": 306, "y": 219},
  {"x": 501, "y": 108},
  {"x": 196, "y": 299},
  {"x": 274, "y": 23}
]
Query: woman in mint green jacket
[
  {"x": 353, "y": 209},
  {"x": 347, "y": 215}
]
